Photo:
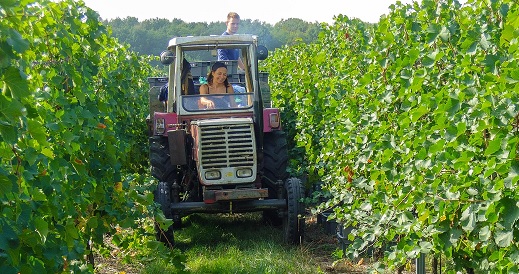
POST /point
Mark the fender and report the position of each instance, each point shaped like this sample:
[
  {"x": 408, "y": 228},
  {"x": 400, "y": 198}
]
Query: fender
[
  {"x": 271, "y": 119},
  {"x": 164, "y": 122}
]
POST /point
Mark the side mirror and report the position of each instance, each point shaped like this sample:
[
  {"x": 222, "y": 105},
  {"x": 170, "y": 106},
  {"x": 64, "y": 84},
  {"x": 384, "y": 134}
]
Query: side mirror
[
  {"x": 263, "y": 52},
  {"x": 167, "y": 57}
]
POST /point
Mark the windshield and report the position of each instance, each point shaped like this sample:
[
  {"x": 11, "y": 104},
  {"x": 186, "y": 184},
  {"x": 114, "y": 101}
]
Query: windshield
[
  {"x": 212, "y": 84},
  {"x": 195, "y": 103}
]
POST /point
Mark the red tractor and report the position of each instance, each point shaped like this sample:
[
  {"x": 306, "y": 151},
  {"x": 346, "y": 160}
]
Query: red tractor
[{"x": 228, "y": 159}]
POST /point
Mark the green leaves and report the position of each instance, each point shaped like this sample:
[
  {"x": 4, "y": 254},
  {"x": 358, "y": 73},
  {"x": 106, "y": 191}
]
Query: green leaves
[
  {"x": 36, "y": 130},
  {"x": 10, "y": 109},
  {"x": 15, "y": 85},
  {"x": 418, "y": 113},
  {"x": 42, "y": 227},
  {"x": 16, "y": 41},
  {"x": 494, "y": 145},
  {"x": 425, "y": 126},
  {"x": 510, "y": 212},
  {"x": 8, "y": 237},
  {"x": 8, "y": 3},
  {"x": 64, "y": 137},
  {"x": 469, "y": 217},
  {"x": 504, "y": 237},
  {"x": 8, "y": 133},
  {"x": 5, "y": 185}
]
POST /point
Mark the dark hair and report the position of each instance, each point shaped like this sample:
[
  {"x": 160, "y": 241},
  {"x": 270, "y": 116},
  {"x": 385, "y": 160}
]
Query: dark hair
[{"x": 216, "y": 66}]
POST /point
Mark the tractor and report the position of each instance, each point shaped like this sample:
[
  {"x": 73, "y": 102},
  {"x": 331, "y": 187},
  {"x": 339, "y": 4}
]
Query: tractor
[{"x": 228, "y": 159}]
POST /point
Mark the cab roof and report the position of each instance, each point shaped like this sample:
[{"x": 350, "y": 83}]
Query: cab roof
[{"x": 212, "y": 40}]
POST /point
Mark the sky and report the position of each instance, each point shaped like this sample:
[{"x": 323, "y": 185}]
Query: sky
[{"x": 269, "y": 11}]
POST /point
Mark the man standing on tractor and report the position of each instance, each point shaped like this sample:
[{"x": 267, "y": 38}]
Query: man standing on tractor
[{"x": 233, "y": 23}]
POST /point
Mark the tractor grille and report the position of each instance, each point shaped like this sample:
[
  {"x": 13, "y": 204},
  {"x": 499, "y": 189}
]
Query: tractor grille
[{"x": 223, "y": 146}]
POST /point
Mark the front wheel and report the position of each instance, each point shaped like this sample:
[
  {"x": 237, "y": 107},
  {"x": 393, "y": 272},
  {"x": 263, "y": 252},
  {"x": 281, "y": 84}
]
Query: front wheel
[
  {"x": 163, "y": 198},
  {"x": 275, "y": 163},
  {"x": 166, "y": 174},
  {"x": 294, "y": 221}
]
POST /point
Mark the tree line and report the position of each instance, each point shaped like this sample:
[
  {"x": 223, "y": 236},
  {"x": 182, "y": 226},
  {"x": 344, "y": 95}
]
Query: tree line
[{"x": 151, "y": 36}]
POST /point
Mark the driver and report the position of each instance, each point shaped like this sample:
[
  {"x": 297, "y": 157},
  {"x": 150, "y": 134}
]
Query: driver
[{"x": 217, "y": 83}]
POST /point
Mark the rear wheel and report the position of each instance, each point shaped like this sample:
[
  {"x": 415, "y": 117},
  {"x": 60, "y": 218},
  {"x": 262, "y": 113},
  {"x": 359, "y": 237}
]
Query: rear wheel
[
  {"x": 294, "y": 221},
  {"x": 275, "y": 163},
  {"x": 166, "y": 174}
]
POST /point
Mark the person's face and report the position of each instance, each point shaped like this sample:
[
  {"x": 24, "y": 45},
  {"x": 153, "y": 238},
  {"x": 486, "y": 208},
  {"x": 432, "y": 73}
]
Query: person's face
[
  {"x": 220, "y": 75},
  {"x": 232, "y": 25}
]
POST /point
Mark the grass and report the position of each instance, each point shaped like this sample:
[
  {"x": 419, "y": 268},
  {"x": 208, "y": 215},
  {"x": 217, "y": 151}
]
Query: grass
[
  {"x": 239, "y": 243},
  {"x": 224, "y": 243}
]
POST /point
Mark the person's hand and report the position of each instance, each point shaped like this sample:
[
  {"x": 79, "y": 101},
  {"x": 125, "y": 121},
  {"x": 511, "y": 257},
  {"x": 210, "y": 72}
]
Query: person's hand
[{"x": 209, "y": 104}]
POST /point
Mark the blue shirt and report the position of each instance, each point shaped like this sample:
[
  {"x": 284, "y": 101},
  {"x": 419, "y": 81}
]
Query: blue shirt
[{"x": 228, "y": 54}]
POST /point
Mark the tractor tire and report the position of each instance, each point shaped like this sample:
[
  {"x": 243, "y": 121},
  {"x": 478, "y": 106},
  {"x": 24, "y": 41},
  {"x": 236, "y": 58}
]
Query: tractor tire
[
  {"x": 275, "y": 156},
  {"x": 294, "y": 221},
  {"x": 160, "y": 160},
  {"x": 166, "y": 174},
  {"x": 275, "y": 163},
  {"x": 163, "y": 198}
]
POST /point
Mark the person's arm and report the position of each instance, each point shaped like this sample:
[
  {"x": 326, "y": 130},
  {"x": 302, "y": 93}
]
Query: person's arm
[
  {"x": 204, "y": 89},
  {"x": 240, "y": 64}
]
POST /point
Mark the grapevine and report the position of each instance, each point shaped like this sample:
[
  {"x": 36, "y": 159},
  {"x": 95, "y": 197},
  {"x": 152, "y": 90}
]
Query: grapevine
[
  {"x": 73, "y": 151},
  {"x": 411, "y": 125}
]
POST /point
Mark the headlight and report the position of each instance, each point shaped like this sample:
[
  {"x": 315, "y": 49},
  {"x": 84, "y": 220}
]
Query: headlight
[
  {"x": 243, "y": 173},
  {"x": 213, "y": 175},
  {"x": 274, "y": 120},
  {"x": 159, "y": 126}
]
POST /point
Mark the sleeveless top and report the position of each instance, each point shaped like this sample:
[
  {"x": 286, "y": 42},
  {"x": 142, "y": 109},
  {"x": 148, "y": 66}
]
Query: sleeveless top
[{"x": 209, "y": 89}]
